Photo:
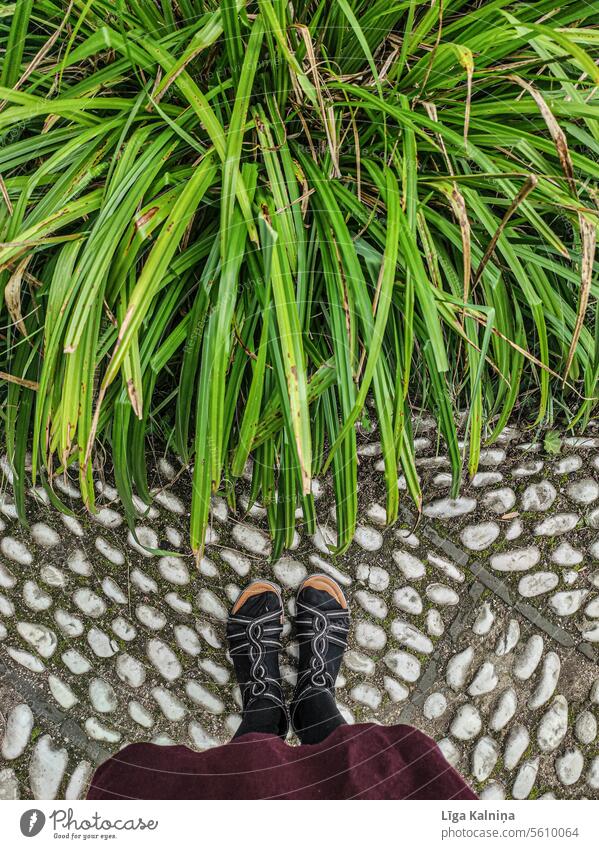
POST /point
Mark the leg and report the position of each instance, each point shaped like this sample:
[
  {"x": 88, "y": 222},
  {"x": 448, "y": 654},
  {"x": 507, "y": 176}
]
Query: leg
[
  {"x": 322, "y": 624},
  {"x": 316, "y": 716},
  {"x": 254, "y": 634}
]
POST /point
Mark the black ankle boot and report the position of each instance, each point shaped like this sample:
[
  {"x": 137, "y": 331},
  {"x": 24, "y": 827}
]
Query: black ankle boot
[
  {"x": 254, "y": 630},
  {"x": 322, "y": 626}
]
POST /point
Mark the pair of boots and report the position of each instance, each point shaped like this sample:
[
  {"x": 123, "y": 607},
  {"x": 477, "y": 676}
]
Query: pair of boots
[{"x": 254, "y": 630}]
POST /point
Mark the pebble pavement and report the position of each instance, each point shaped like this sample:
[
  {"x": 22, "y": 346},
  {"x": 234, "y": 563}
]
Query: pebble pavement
[{"x": 479, "y": 624}]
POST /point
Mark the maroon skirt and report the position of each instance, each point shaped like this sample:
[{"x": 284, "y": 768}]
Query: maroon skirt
[{"x": 354, "y": 762}]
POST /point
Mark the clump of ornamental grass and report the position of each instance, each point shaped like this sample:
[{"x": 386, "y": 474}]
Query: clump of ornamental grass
[{"x": 227, "y": 226}]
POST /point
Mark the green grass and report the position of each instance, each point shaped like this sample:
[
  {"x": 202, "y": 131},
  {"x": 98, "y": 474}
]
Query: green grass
[{"x": 225, "y": 226}]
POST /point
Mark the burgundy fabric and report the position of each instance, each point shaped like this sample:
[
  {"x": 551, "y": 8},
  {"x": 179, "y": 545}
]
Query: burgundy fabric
[{"x": 354, "y": 762}]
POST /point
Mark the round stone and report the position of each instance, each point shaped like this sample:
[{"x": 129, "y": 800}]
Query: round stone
[
  {"x": 251, "y": 539},
  {"x": 485, "y": 680},
  {"x": 78, "y": 781},
  {"x": 53, "y": 577},
  {"x": 560, "y": 523},
  {"x": 397, "y": 692},
  {"x": 204, "y": 698},
  {"x": 547, "y": 682},
  {"x": 592, "y": 519},
  {"x": 411, "y": 567},
  {"x": 434, "y": 706},
  {"x": 567, "y": 603},
  {"x": 70, "y": 625},
  {"x": 143, "y": 540},
  {"x": 378, "y": 579},
  {"x": 237, "y": 561},
  {"x": 89, "y": 603},
  {"x": 493, "y": 791},
  {"x": 528, "y": 658},
  {"x": 408, "y": 599},
  {"x": 516, "y": 744},
  {"x": 403, "y": 665},
  {"x": 19, "y": 724},
  {"x": 537, "y": 584},
  {"x": 7, "y": 579},
  {"x": 514, "y": 530},
  {"x": 170, "y": 502},
  {"x": 410, "y": 636},
  {"x": 566, "y": 555},
  {"x": 290, "y": 572},
  {"x": 143, "y": 582},
  {"x": 516, "y": 560},
  {"x": 211, "y": 605},
  {"x": 499, "y": 500},
  {"x": 449, "y": 508},
  {"x": 200, "y": 738},
  {"x": 442, "y": 595},
  {"x": 508, "y": 639},
  {"x": 449, "y": 751},
  {"x": 526, "y": 470},
  {"x": 24, "y": 658},
  {"x": 75, "y": 662},
  {"x": 592, "y": 608},
  {"x": 41, "y": 638},
  {"x": 114, "y": 555},
  {"x": 584, "y": 491},
  {"x": 538, "y": 497},
  {"x": 458, "y": 667},
  {"x": 367, "y": 694},
  {"x": 568, "y": 464},
  {"x": 553, "y": 725},
  {"x": 9, "y": 785},
  {"x": 140, "y": 714},
  {"x": 491, "y": 456},
  {"x": 586, "y": 727},
  {"x": 484, "y": 619},
  {"x": 101, "y": 644},
  {"x": 434, "y": 623},
  {"x": 35, "y": 597},
  {"x": 592, "y": 777},
  {"x": 368, "y": 538},
  {"x": 113, "y": 591},
  {"x": 358, "y": 662},
  {"x": 108, "y": 518},
  {"x": 46, "y": 768},
  {"x": 481, "y": 479},
  {"x": 569, "y": 766},
  {"x": 188, "y": 640},
  {"x": 481, "y": 536},
  {"x": 153, "y": 619},
  {"x": 173, "y": 570},
  {"x": 164, "y": 659},
  {"x": 484, "y": 758},
  {"x": 507, "y": 705},
  {"x": 97, "y": 731},
  {"x": 172, "y": 708},
  {"x": 130, "y": 670},
  {"x": 102, "y": 696},
  {"x": 124, "y": 629},
  {"x": 15, "y": 550},
  {"x": 370, "y": 636},
  {"x": 525, "y": 780},
  {"x": 467, "y": 723},
  {"x": 218, "y": 673},
  {"x": 372, "y": 604}
]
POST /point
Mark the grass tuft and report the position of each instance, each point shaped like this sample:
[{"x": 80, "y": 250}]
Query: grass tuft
[{"x": 224, "y": 226}]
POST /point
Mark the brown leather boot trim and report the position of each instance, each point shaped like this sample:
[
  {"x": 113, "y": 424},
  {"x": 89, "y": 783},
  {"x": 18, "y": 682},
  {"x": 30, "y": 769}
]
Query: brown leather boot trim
[
  {"x": 323, "y": 582},
  {"x": 255, "y": 588}
]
